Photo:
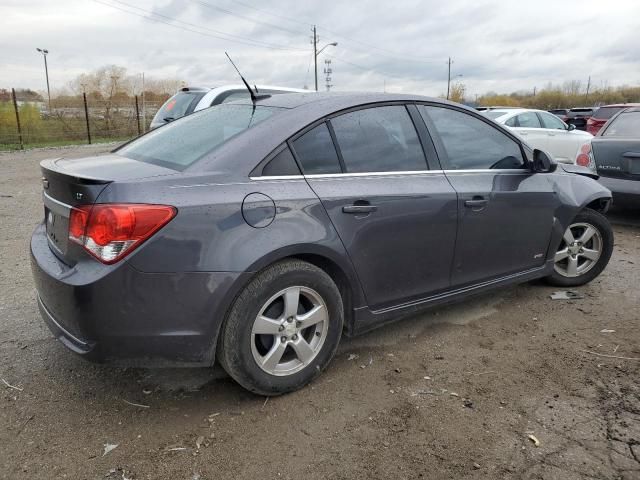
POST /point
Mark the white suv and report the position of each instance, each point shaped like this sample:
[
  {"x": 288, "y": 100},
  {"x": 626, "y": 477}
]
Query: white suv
[{"x": 192, "y": 99}]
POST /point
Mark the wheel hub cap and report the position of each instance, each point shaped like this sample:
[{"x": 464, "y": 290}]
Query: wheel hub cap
[
  {"x": 289, "y": 331},
  {"x": 579, "y": 250}
]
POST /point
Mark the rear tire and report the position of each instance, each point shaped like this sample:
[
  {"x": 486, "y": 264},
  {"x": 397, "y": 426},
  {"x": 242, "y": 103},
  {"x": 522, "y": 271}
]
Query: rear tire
[
  {"x": 584, "y": 251},
  {"x": 283, "y": 329}
]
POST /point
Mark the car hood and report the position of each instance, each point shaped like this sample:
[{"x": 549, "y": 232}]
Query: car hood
[{"x": 578, "y": 170}]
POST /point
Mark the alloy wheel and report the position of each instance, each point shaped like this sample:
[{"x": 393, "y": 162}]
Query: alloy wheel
[
  {"x": 289, "y": 331},
  {"x": 579, "y": 251}
]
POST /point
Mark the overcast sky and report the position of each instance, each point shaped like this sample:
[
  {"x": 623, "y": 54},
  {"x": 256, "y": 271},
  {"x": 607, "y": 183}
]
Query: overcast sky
[{"x": 400, "y": 45}]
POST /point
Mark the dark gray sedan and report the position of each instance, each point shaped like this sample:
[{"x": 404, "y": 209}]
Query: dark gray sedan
[
  {"x": 616, "y": 154},
  {"x": 257, "y": 234}
]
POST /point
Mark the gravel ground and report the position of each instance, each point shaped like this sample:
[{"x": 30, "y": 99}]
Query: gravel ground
[{"x": 461, "y": 392}]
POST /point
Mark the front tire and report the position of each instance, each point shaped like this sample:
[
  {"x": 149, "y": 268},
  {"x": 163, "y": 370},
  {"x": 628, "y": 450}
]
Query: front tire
[
  {"x": 584, "y": 251},
  {"x": 283, "y": 329}
]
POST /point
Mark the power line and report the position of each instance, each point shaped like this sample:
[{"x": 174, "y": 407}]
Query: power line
[
  {"x": 217, "y": 34},
  {"x": 260, "y": 22},
  {"x": 364, "y": 45},
  {"x": 384, "y": 52},
  {"x": 282, "y": 17}
]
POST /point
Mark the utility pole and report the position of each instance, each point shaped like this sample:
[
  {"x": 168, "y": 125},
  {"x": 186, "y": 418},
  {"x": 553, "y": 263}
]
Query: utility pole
[
  {"x": 44, "y": 53},
  {"x": 144, "y": 110},
  {"x": 317, "y": 52},
  {"x": 315, "y": 55},
  {"x": 449, "y": 77},
  {"x": 588, "y": 86}
]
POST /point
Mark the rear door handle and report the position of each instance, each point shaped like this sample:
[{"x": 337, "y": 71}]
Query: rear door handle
[
  {"x": 476, "y": 203},
  {"x": 359, "y": 209}
]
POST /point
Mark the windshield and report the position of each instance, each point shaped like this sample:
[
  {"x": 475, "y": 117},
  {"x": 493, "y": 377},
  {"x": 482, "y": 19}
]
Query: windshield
[
  {"x": 181, "y": 104},
  {"x": 180, "y": 144},
  {"x": 627, "y": 124}
]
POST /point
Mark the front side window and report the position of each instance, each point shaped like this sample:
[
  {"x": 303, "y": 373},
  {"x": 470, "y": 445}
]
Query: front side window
[
  {"x": 627, "y": 124},
  {"x": 380, "y": 139},
  {"x": 551, "y": 121},
  {"x": 316, "y": 151},
  {"x": 183, "y": 142},
  {"x": 471, "y": 143}
]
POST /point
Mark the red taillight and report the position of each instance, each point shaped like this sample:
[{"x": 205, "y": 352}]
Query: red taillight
[
  {"x": 585, "y": 157},
  {"x": 109, "y": 232},
  {"x": 583, "y": 160}
]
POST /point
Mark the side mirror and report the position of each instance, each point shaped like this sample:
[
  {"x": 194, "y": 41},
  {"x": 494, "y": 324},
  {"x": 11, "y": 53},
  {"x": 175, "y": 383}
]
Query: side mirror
[
  {"x": 571, "y": 127},
  {"x": 543, "y": 162}
]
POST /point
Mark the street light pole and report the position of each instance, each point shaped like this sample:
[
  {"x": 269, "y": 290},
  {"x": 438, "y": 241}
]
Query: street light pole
[
  {"x": 317, "y": 52},
  {"x": 44, "y": 53},
  {"x": 449, "y": 78},
  {"x": 315, "y": 56}
]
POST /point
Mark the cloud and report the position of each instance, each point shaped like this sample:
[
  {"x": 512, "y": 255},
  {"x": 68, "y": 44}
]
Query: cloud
[{"x": 401, "y": 45}]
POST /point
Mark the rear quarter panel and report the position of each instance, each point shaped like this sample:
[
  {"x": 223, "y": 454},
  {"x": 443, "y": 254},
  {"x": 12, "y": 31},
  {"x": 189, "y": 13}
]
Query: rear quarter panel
[{"x": 210, "y": 233}]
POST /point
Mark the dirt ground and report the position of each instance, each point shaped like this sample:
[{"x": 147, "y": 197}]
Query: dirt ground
[{"x": 461, "y": 392}]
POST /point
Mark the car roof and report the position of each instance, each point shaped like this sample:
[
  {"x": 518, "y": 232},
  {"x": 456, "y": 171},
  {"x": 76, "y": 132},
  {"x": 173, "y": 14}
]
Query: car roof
[
  {"x": 335, "y": 101},
  {"x": 299, "y": 111},
  {"x": 621, "y": 105}
]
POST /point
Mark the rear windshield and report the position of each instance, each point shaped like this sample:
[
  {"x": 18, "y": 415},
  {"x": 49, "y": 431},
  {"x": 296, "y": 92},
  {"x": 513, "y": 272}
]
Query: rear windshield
[
  {"x": 181, "y": 104},
  {"x": 493, "y": 114},
  {"x": 182, "y": 143},
  {"x": 625, "y": 125},
  {"x": 605, "y": 113}
]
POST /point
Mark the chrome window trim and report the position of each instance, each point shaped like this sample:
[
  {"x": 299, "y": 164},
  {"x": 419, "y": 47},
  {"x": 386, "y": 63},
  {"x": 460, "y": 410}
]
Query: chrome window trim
[
  {"x": 374, "y": 174},
  {"x": 389, "y": 174},
  {"x": 278, "y": 177},
  {"x": 487, "y": 170}
]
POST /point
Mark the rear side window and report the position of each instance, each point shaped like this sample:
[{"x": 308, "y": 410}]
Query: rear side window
[
  {"x": 527, "y": 120},
  {"x": 626, "y": 124},
  {"x": 181, "y": 143},
  {"x": 551, "y": 121},
  {"x": 380, "y": 139},
  {"x": 471, "y": 143},
  {"x": 316, "y": 151},
  {"x": 605, "y": 113},
  {"x": 282, "y": 164}
]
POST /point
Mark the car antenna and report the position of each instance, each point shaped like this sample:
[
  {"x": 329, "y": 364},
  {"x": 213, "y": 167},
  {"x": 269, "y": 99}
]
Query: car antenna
[{"x": 254, "y": 96}]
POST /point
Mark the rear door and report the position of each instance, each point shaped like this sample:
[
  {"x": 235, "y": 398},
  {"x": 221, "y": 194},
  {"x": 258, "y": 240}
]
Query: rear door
[
  {"x": 528, "y": 126},
  {"x": 561, "y": 143},
  {"x": 395, "y": 217},
  {"x": 505, "y": 212}
]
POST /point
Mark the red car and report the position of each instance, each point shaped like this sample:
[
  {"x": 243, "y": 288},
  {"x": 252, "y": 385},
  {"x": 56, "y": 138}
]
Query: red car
[{"x": 604, "y": 113}]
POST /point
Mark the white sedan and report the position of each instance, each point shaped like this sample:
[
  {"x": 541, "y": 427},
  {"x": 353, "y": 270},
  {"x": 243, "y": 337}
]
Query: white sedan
[{"x": 543, "y": 130}]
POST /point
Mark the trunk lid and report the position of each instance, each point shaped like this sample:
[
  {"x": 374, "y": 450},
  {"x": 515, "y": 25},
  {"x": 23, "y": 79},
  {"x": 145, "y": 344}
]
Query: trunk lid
[
  {"x": 71, "y": 182},
  {"x": 617, "y": 157}
]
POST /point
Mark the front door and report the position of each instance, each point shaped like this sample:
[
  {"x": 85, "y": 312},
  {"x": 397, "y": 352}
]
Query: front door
[
  {"x": 505, "y": 212},
  {"x": 396, "y": 219}
]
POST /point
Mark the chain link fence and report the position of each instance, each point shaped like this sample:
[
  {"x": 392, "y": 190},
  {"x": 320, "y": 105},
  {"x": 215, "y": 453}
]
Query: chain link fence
[{"x": 73, "y": 120}]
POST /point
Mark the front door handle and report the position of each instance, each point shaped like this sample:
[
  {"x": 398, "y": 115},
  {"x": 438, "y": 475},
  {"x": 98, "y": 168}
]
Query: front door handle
[
  {"x": 476, "y": 202},
  {"x": 359, "y": 209}
]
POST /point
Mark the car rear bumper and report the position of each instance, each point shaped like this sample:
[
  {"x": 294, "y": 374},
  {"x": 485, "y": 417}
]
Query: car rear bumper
[
  {"x": 118, "y": 314},
  {"x": 625, "y": 192}
]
